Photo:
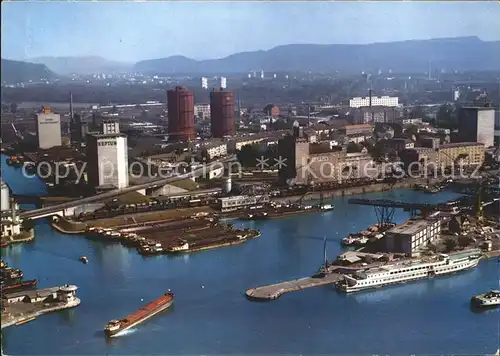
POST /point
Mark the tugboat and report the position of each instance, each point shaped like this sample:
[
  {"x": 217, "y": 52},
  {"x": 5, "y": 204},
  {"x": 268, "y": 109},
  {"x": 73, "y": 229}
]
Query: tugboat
[
  {"x": 84, "y": 259},
  {"x": 115, "y": 327},
  {"x": 487, "y": 300}
]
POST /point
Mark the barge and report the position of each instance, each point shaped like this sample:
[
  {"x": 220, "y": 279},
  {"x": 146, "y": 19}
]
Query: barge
[
  {"x": 19, "y": 286},
  {"x": 116, "y": 327}
]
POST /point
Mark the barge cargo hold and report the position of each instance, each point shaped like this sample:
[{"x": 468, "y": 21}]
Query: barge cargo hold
[{"x": 116, "y": 327}]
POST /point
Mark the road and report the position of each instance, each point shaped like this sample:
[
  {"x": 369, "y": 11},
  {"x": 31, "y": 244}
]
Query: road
[{"x": 117, "y": 192}]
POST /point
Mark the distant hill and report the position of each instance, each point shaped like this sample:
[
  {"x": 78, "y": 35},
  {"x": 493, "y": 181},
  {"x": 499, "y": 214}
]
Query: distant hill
[
  {"x": 461, "y": 53},
  {"x": 82, "y": 65},
  {"x": 18, "y": 72}
]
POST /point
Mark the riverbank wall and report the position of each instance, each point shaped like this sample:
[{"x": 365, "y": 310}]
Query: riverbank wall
[{"x": 341, "y": 192}]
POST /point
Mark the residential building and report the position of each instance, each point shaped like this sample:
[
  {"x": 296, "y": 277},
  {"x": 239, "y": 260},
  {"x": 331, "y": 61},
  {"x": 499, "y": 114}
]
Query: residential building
[
  {"x": 214, "y": 150},
  {"x": 400, "y": 144},
  {"x": 412, "y": 235},
  {"x": 365, "y": 129},
  {"x": 477, "y": 124},
  {"x": 415, "y": 158},
  {"x": 411, "y": 121},
  {"x": 375, "y": 114},
  {"x": 375, "y": 101},
  {"x": 48, "y": 129},
  {"x": 465, "y": 153},
  {"x": 202, "y": 111},
  {"x": 107, "y": 159}
]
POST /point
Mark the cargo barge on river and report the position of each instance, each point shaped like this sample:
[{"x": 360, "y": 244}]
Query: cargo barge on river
[{"x": 116, "y": 327}]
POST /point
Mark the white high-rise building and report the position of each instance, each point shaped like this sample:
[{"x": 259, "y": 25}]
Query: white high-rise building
[
  {"x": 477, "y": 124},
  {"x": 359, "y": 102},
  {"x": 261, "y": 74},
  {"x": 48, "y": 129},
  {"x": 249, "y": 75},
  {"x": 223, "y": 82},
  {"x": 110, "y": 126},
  {"x": 107, "y": 160},
  {"x": 204, "y": 82},
  {"x": 274, "y": 76}
]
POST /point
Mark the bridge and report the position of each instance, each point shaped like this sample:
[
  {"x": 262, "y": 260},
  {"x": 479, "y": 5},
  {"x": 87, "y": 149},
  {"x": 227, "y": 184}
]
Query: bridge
[{"x": 60, "y": 208}]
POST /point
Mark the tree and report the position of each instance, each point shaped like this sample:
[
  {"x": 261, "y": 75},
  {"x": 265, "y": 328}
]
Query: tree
[
  {"x": 353, "y": 147},
  {"x": 411, "y": 130},
  {"x": 464, "y": 241},
  {"x": 248, "y": 155},
  {"x": 432, "y": 247},
  {"x": 450, "y": 244}
]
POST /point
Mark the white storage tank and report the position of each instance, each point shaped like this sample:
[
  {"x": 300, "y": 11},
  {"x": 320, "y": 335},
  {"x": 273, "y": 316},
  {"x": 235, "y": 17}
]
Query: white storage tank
[{"x": 5, "y": 196}]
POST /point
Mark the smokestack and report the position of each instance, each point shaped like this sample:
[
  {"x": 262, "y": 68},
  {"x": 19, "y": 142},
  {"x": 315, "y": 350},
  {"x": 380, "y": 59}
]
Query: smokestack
[
  {"x": 308, "y": 115},
  {"x": 71, "y": 106},
  {"x": 239, "y": 106}
]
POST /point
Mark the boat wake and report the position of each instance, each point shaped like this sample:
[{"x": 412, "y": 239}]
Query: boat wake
[{"x": 125, "y": 332}]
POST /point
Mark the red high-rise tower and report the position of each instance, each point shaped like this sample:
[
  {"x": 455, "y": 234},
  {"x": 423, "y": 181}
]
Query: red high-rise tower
[
  {"x": 180, "y": 105},
  {"x": 222, "y": 119}
]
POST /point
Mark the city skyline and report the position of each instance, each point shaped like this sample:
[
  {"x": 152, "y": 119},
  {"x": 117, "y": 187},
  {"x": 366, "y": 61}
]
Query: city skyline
[{"x": 130, "y": 32}]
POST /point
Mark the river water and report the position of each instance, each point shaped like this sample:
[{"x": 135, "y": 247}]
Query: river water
[{"x": 211, "y": 314}]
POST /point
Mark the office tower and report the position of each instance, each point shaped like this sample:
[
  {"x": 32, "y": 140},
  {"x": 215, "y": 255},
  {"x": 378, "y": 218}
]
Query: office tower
[
  {"x": 48, "y": 129},
  {"x": 477, "y": 124}
]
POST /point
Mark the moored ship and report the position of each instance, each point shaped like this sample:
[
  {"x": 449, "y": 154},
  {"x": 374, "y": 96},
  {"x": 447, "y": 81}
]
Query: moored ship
[
  {"x": 115, "y": 327},
  {"x": 409, "y": 271}
]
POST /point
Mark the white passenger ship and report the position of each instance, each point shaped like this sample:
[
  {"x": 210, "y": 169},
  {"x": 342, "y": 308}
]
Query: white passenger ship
[{"x": 409, "y": 271}]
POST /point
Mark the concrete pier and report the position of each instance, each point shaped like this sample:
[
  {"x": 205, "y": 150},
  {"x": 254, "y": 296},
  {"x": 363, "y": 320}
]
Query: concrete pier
[
  {"x": 274, "y": 291},
  {"x": 21, "y": 307}
]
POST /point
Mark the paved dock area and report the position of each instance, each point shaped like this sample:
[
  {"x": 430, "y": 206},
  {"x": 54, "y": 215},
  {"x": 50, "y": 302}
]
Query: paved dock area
[{"x": 274, "y": 291}]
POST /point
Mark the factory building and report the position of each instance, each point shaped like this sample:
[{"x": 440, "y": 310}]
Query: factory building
[
  {"x": 180, "y": 105},
  {"x": 477, "y": 124},
  {"x": 76, "y": 129},
  {"x": 48, "y": 129},
  {"x": 107, "y": 158},
  {"x": 359, "y": 102},
  {"x": 410, "y": 236},
  {"x": 222, "y": 119}
]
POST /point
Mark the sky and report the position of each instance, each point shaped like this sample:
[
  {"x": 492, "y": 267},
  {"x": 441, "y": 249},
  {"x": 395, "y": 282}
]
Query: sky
[{"x": 133, "y": 31}]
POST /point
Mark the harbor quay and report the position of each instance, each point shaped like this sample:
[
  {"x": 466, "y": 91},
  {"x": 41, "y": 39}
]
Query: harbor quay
[
  {"x": 24, "y": 306},
  {"x": 187, "y": 230},
  {"x": 274, "y": 291}
]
